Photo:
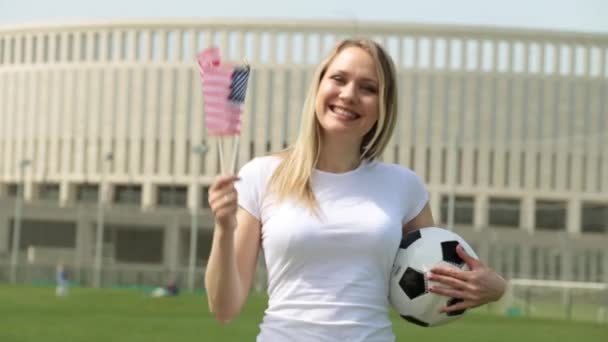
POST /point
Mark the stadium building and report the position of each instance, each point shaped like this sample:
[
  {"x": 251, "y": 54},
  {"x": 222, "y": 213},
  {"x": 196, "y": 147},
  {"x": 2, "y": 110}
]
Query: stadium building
[{"x": 101, "y": 125}]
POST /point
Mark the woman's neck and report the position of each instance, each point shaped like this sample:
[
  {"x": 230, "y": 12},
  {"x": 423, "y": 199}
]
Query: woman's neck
[{"x": 338, "y": 158}]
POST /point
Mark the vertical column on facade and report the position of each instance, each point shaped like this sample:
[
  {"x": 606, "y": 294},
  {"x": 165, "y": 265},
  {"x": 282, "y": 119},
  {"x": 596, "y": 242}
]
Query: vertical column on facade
[
  {"x": 84, "y": 246},
  {"x": 261, "y": 136},
  {"x": 80, "y": 110},
  {"x": 150, "y": 140},
  {"x": 4, "y": 114},
  {"x": 573, "y": 226},
  {"x": 469, "y": 122},
  {"x": 502, "y": 117},
  {"x": 171, "y": 245},
  {"x": 435, "y": 205},
  {"x": 438, "y": 101},
  {"x": 567, "y": 259},
  {"x": 480, "y": 218},
  {"x": 544, "y": 162},
  {"x": 196, "y": 123},
  {"x": 92, "y": 152},
  {"x": 592, "y": 124},
  {"x": 603, "y": 113},
  {"x": 592, "y": 266},
  {"x": 136, "y": 108},
  {"x": 296, "y": 88},
  {"x": 518, "y": 92},
  {"x": 539, "y": 262},
  {"x": 4, "y": 235},
  {"x": 421, "y": 113},
  {"x": 487, "y": 134},
  {"x": 246, "y": 137},
  {"x": 404, "y": 80},
  {"x": 19, "y": 108},
  {"x": 528, "y": 214},
  {"x": 67, "y": 193},
  {"x": 106, "y": 131},
  {"x": 166, "y": 117},
  {"x": 581, "y": 259},
  {"x": 562, "y": 136},
  {"x": 148, "y": 195},
  {"x": 68, "y": 117},
  {"x": 124, "y": 94},
  {"x": 42, "y": 124},
  {"x": 194, "y": 195},
  {"x": 533, "y": 109},
  {"x": 54, "y": 109},
  {"x": 604, "y": 266},
  {"x": 28, "y": 187},
  {"x": 279, "y": 86},
  {"x": 182, "y": 149},
  {"x": 549, "y": 256},
  {"x": 29, "y": 128},
  {"x": 8, "y": 130},
  {"x": 578, "y": 115},
  {"x": 451, "y": 139},
  {"x": 212, "y": 161},
  {"x": 525, "y": 260}
]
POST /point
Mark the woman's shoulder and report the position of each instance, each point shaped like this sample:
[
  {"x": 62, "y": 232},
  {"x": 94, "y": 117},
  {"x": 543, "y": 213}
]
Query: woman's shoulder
[
  {"x": 394, "y": 170},
  {"x": 264, "y": 162},
  {"x": 261, "y": 165}
]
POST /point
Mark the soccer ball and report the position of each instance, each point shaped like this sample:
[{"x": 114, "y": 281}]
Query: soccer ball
[{"x": 419, "y": 252}]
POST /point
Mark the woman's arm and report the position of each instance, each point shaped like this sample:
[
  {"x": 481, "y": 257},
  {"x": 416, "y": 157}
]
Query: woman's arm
[
  {"x": 423, "y": 219},
  {"x": 234, "y": 252}
]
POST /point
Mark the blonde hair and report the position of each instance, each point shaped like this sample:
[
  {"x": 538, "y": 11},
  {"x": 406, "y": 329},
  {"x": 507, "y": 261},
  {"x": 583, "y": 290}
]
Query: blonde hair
[{"x": 292, "y": 177}]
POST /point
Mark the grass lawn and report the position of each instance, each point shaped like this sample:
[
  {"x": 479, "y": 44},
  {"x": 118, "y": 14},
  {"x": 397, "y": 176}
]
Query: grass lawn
[{"x": 34, "y": 314}]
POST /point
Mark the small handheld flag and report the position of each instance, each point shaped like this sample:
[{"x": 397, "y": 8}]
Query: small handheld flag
[{"x": 224, "y": 89}]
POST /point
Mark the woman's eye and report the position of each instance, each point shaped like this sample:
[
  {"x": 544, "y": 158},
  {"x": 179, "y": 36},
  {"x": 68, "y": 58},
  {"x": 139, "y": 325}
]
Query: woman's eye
[
  {"x": 370, "y": 89},
  {"x": 338, "y": 79}
]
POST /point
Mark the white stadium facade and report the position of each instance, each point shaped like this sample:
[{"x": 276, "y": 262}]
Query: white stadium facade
[{"x": 101, "y": 126}]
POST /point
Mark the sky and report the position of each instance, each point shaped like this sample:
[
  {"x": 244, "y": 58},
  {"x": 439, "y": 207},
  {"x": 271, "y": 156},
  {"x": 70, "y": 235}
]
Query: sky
[{"x": 568, "y": 15}]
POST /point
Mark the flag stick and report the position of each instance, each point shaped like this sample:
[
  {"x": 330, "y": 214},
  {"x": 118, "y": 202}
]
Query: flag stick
[
  {"x": 219, "y": 147},
  {"x": 235, "y": 152}
]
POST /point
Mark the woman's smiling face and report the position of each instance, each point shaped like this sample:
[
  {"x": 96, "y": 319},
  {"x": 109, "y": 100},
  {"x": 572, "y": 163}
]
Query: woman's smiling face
[{"x": 347, "y": 102}]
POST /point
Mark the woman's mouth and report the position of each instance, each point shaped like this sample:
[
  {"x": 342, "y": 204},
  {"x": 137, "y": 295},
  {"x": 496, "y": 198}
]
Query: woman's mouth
[{"x": 343, "y": 113}]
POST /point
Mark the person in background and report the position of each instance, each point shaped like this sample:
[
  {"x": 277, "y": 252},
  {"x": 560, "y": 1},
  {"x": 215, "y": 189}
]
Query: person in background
[{"x": 61, "y": 276}]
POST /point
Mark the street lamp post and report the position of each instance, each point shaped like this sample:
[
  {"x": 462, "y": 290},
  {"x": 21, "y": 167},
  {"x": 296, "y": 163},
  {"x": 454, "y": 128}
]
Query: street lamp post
[
  {"x": 100, "y": 223},
  {"x": 200, "y": 151},
  {"x": 17, "y": 221}
]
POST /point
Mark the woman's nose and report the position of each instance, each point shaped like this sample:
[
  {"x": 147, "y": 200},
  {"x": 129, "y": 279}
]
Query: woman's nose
[{"x": 347, "y": 93}]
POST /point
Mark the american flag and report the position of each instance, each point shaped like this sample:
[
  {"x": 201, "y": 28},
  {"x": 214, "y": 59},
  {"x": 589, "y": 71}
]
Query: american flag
[{"x": 224, "y": 88}]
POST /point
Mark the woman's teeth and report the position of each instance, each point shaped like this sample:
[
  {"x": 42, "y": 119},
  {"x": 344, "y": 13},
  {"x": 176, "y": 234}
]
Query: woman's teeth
[{"x": 344, "y": 113}]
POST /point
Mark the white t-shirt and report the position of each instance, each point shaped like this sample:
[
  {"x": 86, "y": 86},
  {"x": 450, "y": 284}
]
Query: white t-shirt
[{"x": 328, "y": 276}]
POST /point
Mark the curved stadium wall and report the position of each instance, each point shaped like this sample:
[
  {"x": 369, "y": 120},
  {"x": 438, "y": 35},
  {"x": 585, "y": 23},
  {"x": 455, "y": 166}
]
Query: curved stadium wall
[{"x": 507, "y": 125}]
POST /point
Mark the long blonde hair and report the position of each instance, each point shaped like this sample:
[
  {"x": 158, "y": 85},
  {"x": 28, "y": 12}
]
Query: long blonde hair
[{"x": 291, "y": 179}]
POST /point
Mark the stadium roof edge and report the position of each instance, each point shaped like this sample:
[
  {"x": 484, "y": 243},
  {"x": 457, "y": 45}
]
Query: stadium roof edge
[{"x": 299, "y": 25}]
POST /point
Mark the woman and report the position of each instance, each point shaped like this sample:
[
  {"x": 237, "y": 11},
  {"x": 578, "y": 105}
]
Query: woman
[{"x": 329, "y": 216}]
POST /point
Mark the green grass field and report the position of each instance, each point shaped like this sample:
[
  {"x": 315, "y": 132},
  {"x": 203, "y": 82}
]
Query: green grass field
[{"x": 34, "y": 314}]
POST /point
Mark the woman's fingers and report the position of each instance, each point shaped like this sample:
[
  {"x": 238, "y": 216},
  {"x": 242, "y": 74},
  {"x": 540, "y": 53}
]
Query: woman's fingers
[
  {"x": 476, "y": 287},
  {"x": 223, "y": 201},
  {"x": 222, "y": 197},
  {"x": 223, "y": 181},
  {"x": 223, "y": 186},
  {"x": 468, "y": 259},
  {"x": 458, "y": 306},
  {"x": 452, "y": 272},
  {"x": 454, "y": 293},
  {"x": 450, "y": 281}
]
